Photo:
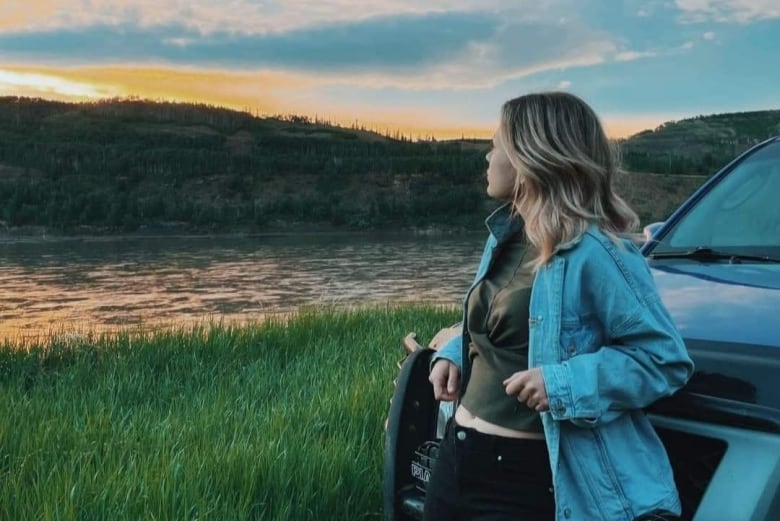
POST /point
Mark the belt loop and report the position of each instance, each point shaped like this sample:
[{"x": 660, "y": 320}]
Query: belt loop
[{"x": 449, "y": 427}]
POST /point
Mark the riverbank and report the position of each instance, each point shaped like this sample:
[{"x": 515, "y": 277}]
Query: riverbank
[
  {"x": 42, "y": 233},
  {"x": 274, "y": 421}
]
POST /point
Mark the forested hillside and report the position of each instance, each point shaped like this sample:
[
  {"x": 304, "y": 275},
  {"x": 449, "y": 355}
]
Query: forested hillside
[
  {"x": 133, "y": 165},
  {"x": 122, "y": 164}
]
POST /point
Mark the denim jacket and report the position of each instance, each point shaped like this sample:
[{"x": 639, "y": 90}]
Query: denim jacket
[{"x": 607, "y": 348}]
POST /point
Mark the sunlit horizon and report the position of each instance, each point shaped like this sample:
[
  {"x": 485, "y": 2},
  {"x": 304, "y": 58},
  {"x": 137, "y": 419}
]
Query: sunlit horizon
[{"x": 213, "y": 88}]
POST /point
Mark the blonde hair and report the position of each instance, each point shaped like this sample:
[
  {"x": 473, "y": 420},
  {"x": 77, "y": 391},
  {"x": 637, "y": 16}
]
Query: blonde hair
[{"x": 565, "y": 169}]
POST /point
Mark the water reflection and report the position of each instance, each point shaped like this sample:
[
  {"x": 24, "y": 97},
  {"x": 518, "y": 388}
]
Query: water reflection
[{"x": 102, "y": 284}]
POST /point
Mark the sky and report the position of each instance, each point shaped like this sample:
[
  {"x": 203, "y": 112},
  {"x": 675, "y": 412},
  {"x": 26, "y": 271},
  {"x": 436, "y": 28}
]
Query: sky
[{"x": 425, "y": 67}]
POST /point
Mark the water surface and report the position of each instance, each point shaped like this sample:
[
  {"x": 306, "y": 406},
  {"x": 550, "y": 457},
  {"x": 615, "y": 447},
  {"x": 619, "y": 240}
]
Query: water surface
[{"x": 103, "y": 284}]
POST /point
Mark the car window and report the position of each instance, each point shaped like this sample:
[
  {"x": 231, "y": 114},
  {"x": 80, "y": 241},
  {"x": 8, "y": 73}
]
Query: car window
[{"x": 741, "y": 214}]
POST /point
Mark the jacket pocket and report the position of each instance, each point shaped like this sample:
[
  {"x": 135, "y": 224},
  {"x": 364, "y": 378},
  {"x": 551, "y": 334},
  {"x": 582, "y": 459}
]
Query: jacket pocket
[{"x": 578, "y": 337}]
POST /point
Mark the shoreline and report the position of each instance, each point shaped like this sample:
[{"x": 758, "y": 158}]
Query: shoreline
[
  {"x": 78, "y": 334},
  {"x": 29, "y": 235}
]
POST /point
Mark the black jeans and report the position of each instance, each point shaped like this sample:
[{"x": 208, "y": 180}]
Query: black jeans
[{"x": 480, "y": 477}]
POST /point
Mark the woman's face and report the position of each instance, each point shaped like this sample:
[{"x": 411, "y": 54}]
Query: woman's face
[{"x": 500, "y": 173}]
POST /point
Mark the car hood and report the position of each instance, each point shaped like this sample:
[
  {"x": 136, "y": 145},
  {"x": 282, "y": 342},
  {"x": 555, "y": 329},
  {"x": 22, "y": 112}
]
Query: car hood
[
  {"x": 729, "y": 316},
  {"x": 737, "y": 303}
]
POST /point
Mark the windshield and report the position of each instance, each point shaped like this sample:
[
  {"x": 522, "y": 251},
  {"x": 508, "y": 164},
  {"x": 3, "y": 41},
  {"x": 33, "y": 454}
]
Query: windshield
[{"x": 740, "y": 215}]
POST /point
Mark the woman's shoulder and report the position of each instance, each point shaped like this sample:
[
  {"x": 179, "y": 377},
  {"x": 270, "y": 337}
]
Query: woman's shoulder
[
  {"x": 603, "y": 253},
  {"x": 614, "y": 244}
]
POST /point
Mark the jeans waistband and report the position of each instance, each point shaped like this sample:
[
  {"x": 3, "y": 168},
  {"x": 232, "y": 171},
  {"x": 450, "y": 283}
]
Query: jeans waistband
[{"x": 472, "y": 437}]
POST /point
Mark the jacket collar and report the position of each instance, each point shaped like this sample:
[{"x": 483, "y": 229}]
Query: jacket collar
[{"x": 502, "y": 224}]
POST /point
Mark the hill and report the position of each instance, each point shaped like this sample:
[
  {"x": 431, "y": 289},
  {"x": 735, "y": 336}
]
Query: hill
[
  {"x": 698, "y": 145},
  {"x": 140, "y": 166},
  {"x": 121, "y": 164}
]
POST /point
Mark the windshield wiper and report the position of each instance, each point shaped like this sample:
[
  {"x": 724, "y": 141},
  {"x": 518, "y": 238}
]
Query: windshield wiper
[{"x": 705, "y": 254}]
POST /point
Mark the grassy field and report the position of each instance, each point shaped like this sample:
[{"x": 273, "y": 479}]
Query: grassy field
[{"x": 270, "y": 421}]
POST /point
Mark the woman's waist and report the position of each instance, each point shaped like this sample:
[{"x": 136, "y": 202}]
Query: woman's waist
[{"x": 465, "y": 418}]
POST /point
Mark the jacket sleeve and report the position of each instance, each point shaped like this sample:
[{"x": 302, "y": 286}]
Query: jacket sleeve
[
  {"x": 645, "y": 357},
  {"x": 452, "y": 350}
]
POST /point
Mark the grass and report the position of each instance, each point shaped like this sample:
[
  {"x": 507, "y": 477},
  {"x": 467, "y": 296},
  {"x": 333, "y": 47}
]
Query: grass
[{"x": 271, "y": 421}]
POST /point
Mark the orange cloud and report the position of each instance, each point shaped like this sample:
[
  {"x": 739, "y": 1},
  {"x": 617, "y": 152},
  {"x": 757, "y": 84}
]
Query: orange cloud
[
  {"x": 258, "y": 90},
  {"x": 17, "y": 17}
]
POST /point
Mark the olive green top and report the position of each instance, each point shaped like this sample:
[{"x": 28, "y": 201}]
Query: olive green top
[{"x": 497, "y": 319}]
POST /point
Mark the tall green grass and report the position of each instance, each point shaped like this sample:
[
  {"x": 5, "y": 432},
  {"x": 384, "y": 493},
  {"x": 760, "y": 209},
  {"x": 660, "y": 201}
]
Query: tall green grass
[{"x": 272, "y": 421}]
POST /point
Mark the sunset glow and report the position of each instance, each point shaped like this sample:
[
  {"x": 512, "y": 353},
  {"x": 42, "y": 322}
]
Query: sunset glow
[
  {"x": 438, "y": 68},
  {"x": 47, "y": 85},
  {"x": 258, "y": 93}
]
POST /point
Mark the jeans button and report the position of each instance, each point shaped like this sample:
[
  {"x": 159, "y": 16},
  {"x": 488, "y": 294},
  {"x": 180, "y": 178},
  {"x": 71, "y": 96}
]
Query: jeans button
[
  {"x": 461, "y": 435},
  {"x": 567, "y": 512}
]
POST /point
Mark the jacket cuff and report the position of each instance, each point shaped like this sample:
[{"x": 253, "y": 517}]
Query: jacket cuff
[
  {"x": 452, "y": 351},
  {"x": 558, "y": 388}
]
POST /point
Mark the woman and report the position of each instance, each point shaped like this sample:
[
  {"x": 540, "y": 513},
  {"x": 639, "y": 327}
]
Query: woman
[{"x": 564, "y": 341}]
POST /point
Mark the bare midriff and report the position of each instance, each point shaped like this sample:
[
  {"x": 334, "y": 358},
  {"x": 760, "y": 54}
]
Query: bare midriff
[{"x": 464, "y": 418}]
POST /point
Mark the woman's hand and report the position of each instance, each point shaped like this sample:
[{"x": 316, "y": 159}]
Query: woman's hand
[
  {"x": 445, "y": 377},
  {"x": 529, "y": 388}
]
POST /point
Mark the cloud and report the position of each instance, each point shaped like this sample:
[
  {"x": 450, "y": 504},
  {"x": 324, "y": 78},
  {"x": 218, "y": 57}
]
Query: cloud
[
  {"x": 687, "y": 45},
  {"x": 516, "y": 50},
  {"x": 436, "y": 50},
  {"x": 727, "y": 11},
  {"x": 648, "y": 8},
  {"x": 628, "y": 56},
  {"x": 709, "y": 35},
  {"x": 564, "y": 85},
  {"x": 242, "y": 16},
  {"x": 380, "y": 43}
]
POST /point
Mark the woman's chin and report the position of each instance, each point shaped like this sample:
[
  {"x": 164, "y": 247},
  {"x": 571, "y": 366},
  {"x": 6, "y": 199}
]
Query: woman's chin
[{"x": 498, "y": 196}]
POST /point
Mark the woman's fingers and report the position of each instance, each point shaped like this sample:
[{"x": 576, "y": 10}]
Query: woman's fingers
[
  {"x": 515, "y": 383},
  {"x": 453, "y": 382},
  {"x": 438, "y": 378},
  {"x": 445, "y": 379},
  {"x": 526, "y": 393},
  {"x": 528, "y": 386}
]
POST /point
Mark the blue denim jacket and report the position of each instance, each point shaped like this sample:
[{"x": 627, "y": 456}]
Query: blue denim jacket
[{"x": 607, "y": 348}]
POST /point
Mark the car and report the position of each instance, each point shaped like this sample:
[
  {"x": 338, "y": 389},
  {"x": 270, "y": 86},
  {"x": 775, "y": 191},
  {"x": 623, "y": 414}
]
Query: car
[{"x": 716, "y": 263}]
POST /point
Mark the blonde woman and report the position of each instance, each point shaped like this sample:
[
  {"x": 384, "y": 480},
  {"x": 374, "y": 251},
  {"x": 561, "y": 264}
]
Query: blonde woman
[{"x": 564, "y": 341}]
